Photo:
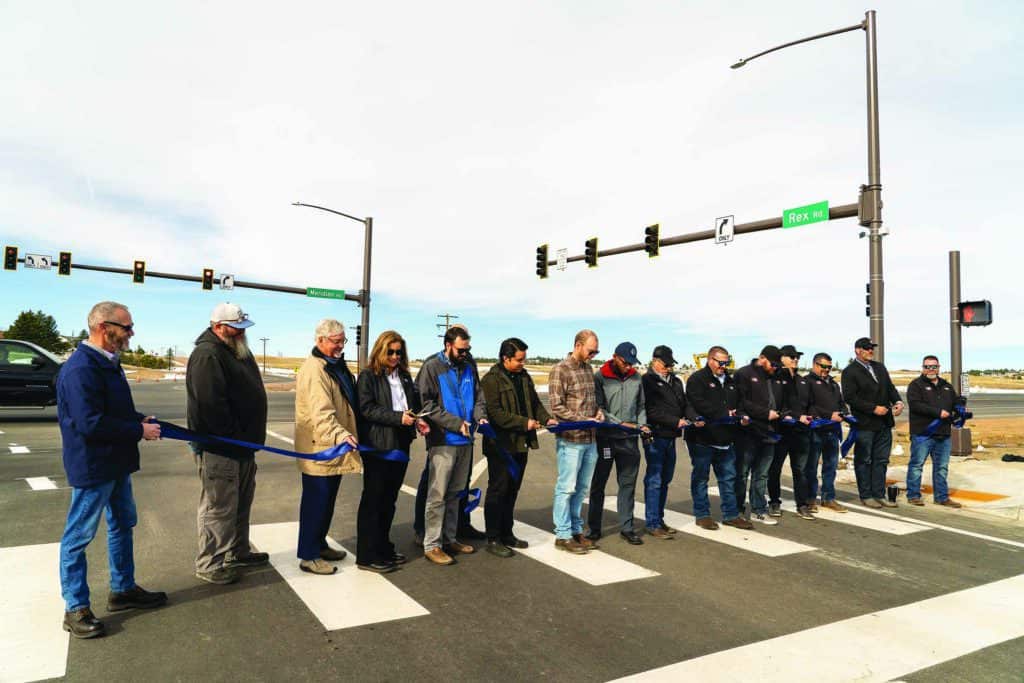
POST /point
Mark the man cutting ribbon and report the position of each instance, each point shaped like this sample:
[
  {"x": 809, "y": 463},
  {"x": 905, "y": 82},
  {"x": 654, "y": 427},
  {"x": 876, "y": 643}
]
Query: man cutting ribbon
[{"x": 933, "y": 407}]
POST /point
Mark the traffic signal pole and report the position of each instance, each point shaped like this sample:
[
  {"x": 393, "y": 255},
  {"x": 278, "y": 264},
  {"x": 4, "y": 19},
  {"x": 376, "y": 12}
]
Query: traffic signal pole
[{"x": 955, "y": 331}]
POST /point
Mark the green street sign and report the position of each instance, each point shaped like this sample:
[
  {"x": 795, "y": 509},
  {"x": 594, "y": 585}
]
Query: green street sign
[
  {"x": 321, "y": 293},
  {"x": 802, "y": 215}
]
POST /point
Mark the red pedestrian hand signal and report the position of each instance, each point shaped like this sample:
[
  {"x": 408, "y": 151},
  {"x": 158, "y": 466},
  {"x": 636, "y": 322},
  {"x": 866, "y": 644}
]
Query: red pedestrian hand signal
[{"x": 968, "y": 314}]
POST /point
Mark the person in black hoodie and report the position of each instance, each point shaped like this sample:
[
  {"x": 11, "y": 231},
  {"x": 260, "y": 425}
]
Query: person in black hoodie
[
  {"x": 795, "y": 441},
  {"x": 712, "y": 399},
  {"x": 874, "y": 402},
  {"x": 761, "y": 397},
  {"x": 388, "y": 402},
  {"x": 826, "y": 403},
  {"x": 932, "y": 400},
  {"x": 666, "y": 414},
  {"x": 225, "y": 398}
]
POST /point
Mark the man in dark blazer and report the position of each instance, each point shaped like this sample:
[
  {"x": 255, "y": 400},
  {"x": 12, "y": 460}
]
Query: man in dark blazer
[{"x": 875, "y": 403}]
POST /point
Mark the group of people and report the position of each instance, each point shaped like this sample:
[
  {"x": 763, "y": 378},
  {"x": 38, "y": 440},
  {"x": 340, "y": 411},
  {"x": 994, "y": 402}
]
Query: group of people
[{"x": 742, "y": 425}]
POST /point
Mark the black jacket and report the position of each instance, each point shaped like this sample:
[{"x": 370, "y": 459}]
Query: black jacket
[
  {"x": 825, "y": 397},
  {"x": 863, "y": 393},
  {"x": 711, "y": 399},
  {"x": 505, "y": 413},
  {"x": 665, "y": 402},
  {"x": 754, "y": 385},
  {"x": 926, "y": 400},
  {"x": 380, "y": 426},
  {"x": 225, "y": 396},
  {"x": 796, "y": 391}
]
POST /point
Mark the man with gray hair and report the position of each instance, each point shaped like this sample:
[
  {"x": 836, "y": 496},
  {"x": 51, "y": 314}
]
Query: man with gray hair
[
  {"x": 100, "y": 430},
  {"x": 226, "y": 398}
]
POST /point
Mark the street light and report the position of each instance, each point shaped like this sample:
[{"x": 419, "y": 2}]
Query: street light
[
  {"x": 364, "y": 294},
  {"x": 871, "y": 194}
]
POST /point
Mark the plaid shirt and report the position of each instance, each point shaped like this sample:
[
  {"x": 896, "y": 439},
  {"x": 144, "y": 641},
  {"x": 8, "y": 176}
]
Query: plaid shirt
[{"x": 573, "y": 397}]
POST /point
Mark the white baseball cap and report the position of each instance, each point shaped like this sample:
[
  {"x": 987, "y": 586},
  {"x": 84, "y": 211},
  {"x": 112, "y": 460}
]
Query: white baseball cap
[{"x": 230, "y": 315}]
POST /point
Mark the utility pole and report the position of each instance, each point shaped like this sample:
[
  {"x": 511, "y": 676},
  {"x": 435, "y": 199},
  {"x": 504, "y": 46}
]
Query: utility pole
[
  {"x": 955, "y": 331},
  {"x": 448, "y": 317},
  {"x": 264, "y": 340}
]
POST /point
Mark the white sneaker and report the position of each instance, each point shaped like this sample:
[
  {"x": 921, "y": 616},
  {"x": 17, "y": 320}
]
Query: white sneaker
[{"x": 765, "y": 519}]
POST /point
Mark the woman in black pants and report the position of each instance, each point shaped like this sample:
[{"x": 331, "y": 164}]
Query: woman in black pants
[{"x": 388, "y": 398}]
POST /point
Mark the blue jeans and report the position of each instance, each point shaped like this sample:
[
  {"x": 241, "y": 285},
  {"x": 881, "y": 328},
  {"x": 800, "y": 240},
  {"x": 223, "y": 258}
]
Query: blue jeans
[
  {"x": 871, "y": 462},
  {"x": 703, "y": 459},
  {"x": 87, "y": 504},
  {"x": 753, "y": 459},
  {"x": 316, "y": 510},
  {"x": 661, "y": 466},
  {"x": 824, "y": 444},
  {"x": 576, "y": 463},
  {"x": 920, "y": 448}
]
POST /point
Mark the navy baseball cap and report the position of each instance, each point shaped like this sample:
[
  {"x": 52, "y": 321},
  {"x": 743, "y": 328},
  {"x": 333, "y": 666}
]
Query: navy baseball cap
[{"x": 627, "y": 352}]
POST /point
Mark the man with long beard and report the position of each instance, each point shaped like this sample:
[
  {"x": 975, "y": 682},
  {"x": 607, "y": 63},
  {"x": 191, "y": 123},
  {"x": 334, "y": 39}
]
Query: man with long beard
[{"x": 225, "y": 398}]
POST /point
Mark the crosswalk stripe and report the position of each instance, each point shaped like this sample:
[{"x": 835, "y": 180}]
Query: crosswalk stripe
[
  {"x": 18, "y": 450},
  {"x": 41, "y": 483},
  {"x": 596, "y": 568},
  {"x": 349, "y": 598},
  {"x": 859, "y": 519},
  {"x": 33, "y": 646},
  {"x": 752, "y": 541},
  {"x": 879, "y": 646}
]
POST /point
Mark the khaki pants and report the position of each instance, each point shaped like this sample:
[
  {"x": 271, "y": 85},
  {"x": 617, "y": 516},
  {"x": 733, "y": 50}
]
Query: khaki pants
[
  {"x": 225, "y": 501},
  {"x": 447, "y": 474}
]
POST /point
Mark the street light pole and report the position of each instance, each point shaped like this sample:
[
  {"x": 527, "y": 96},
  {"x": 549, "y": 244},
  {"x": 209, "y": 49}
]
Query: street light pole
[
  {"x": 264, "y": 340},
  {"x": 364, "y": 294},
  {"x": 871, "y": 194}
]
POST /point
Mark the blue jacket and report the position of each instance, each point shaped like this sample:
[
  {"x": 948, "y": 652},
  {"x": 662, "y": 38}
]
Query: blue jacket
[
  {"x": 452, "y": 393},
  {"x": 99, "y": 425}
]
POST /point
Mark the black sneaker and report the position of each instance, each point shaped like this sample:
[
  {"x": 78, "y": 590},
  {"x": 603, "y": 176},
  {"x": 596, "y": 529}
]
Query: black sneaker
[
  {"x": 250, "y": 560},
  {"x": 499, "y": 549},
  {"x": 136, "y": 598},
  {"x": 632, "y": 537},
  {"x": 82, "y": 624},
  {"x": 513, "y": 542},
  {"x": 220, "y": 576}
]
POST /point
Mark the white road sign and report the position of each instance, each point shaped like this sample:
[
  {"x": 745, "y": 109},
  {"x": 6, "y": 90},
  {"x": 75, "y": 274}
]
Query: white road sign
[
  {"x": 562, "y": 255},
  {"x": 227, "y": 281},
  {"x": 724, "y": 229},
  {"x": 39, "y": 261}
]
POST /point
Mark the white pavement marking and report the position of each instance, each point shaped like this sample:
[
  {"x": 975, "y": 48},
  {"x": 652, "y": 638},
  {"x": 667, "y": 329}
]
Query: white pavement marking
[
  {"x": 769, "y": 546},
  {"x": 349, "y": 598},
  {"x": 41, "y": 483},
  {"x": 596, "y": 568},
  {"x": 33, "y": 646},
  {"x": 18, "y": 450},
  {"x": 282, "y": 437},
  {"x": 879, "y": 646},
  {"x": 478, "y": 469},
  {"x": 859, "y": 519}
]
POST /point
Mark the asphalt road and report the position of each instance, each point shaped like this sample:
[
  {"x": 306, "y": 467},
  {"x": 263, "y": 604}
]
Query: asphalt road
[{"x": 522, "y": 618}]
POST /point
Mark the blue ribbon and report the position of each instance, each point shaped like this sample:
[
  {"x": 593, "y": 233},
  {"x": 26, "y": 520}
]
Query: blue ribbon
[
  {"x": 590, "y": 424},
  {"x": 473, "y": 496},
  {"x": 487, "y": 430},
  {"x": 851, "y": 437},
  {"x": 169, "y": 430},
  {"x": 957, "y": 421}
]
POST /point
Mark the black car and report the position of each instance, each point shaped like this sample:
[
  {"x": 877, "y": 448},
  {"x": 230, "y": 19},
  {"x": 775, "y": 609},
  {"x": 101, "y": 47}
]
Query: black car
[{"x": 28, "y": 374}]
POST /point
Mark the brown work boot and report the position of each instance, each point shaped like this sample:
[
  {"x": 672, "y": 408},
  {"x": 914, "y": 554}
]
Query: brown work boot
[
  {"x": 950, "y": 503},
  {"x": 570, "y": 545},
  {"x": 738, "y": 523},
  {"x": 457, "y": 547},
  {"x": 813, "y": 506},
  {"x": 886, "y": 503},
  {"x": 871, "y": 503},
  {"x": 659, "y": 533},
  {"x": 916, "y": 501},
  {"x": 707, "y": 523},
  {"x": 833, "y": 506},
  {"x": 588, "y": 542},
  {"x": 438, "y": 556}
]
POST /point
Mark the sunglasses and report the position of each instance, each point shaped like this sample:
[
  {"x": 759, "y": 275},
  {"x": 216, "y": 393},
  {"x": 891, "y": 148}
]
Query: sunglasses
[
  {"x": 824, "y": 367},
  {"x": 931, "y": 367},
  {"x": 722, "y": 362},
  {"x": 463, "y": 352},
  {"x": 591, "y": 354},
  {"x": 394, "y": 352},
  {"x": 126, "y": 328}
]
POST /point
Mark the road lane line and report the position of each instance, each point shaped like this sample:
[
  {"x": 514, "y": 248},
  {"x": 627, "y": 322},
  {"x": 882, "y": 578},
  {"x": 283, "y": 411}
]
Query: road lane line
[
  {"x": 41, "y": 483},
  {"x": 18, "y": 450},
  {"x": 281, "y": 437},
  {"x": 859, "y": 519},
  {"x": 752, "y": 541},
  {"x": 349, "y": 598},
  {"x": 879, "y": 646},
  {"x": 933, "y": 525},
  {"x": 33, "y": 646}
]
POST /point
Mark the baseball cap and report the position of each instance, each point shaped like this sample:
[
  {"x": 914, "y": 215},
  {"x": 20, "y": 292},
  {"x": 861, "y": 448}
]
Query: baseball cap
[
  {"x": 790, "y": 350},
  {"x": 772, "y": 353},
  {"x": 864, "y": 343},
  {"x": 627, "y": 352},
  {"x": 664, "y": 354},
  {"x": 230, "y": 315}
]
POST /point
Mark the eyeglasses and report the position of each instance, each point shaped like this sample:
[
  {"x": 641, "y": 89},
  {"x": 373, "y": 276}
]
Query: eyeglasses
[
  {"x": 338, "y": 340},
  {"x": 931, "y": 367},
  {"x": 591, "y": 354},
  {"x": 394, "y": 352},
  {"x": 722, "y": 363},
  {"x": 463, "y": 352},
  {"x": 126, "y": 328},
  {"x": 824, "y": 367}
]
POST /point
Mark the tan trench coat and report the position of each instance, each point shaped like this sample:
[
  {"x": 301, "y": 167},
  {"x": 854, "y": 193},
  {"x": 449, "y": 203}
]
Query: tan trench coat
[{"x": 323, "y": 418}]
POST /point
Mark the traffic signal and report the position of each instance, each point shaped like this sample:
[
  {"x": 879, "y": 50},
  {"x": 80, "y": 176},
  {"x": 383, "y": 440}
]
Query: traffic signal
[
  {"x": 975, "y": 313},
  {"x": 10, "y": 258},
  {"x": 542, "y": 261},
  {"x": 139, "y": 272},
  {"x": 652, "y": 242},
  {"x": 590, "y": 254},
  {"x": 207, "y": 278},
  {"x": 359, "y": 335},
  {"x": 64, "y": 263}
]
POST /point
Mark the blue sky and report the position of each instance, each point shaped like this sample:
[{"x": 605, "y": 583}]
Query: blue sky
[{"x": 474, "y": 132}]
